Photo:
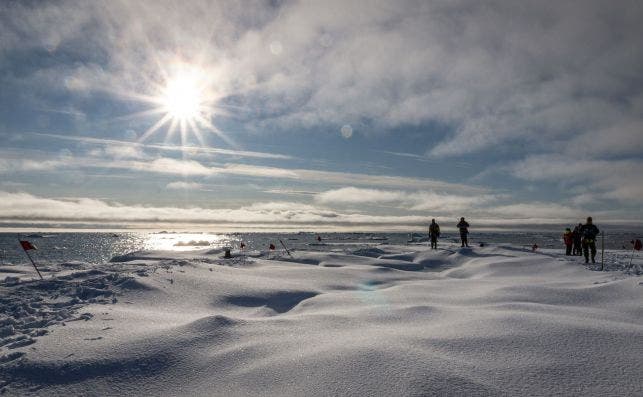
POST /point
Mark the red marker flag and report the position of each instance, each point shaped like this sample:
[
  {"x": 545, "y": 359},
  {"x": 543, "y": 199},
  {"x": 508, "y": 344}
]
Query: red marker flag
[
  {"x": 272, "y": 246},
  {"x": 26, "y": 245},
  {"x": 242, "y": 245}
]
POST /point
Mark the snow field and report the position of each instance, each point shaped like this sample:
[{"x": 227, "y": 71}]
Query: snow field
[{"x": 386, "y": 320}]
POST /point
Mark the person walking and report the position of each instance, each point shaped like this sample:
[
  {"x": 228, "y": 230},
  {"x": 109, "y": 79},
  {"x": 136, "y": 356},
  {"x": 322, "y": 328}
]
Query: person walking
[
  {"x": 463, "y": 226},
  {"x": 589, "y": 231},
  {"x": 434, "y": 233},
  {"x": 569, "y": 241},
  {"x": 578, "y": 240}
]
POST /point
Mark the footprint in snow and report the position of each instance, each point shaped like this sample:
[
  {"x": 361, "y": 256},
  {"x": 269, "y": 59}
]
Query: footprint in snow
[
  {"x": 11, "y": 357},
  {"x": 21, "y": 343}
]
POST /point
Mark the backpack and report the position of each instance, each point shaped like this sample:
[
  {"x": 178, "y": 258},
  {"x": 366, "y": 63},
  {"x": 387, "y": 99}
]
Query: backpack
[{"x": 590, "y": 232}]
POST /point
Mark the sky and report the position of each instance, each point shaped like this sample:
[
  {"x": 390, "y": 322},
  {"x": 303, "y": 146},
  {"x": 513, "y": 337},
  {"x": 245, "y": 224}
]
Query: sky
[{"x": 320, "y": 115}]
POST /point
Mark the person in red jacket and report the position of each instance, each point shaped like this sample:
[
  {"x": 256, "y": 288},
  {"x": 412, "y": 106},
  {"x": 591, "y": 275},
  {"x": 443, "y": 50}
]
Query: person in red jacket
[{"x": 568, "y": 238}]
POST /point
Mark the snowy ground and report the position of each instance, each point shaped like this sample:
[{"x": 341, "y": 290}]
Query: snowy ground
[{"x": 386, "y": 320}]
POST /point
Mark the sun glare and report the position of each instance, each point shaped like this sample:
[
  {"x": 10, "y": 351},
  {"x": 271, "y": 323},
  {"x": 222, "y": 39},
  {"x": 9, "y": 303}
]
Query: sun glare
[{"x": 182, "y": 98}]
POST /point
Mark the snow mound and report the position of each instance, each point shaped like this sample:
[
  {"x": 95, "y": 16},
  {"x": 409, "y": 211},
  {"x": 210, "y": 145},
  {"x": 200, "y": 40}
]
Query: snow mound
[
  {"x": 279, "y": 301},
  {"x": 371, "y": 252}
]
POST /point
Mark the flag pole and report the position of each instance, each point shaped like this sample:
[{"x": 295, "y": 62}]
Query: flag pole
[
  {"x": 284, "y": 245},
  {"x": 634, "y": 245},
  {"x": 32, "y": 262},
  {"x": 602, "y": 248}
]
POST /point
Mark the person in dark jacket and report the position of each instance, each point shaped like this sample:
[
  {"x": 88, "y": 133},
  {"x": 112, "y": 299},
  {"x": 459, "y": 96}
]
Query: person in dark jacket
[
  {"x": 434, "y": 233},
  {"x": 578, "y": 240},
  {"x": 589, "y": 231},
  {"x": 463, "y": 226},
  {"x": 569, "y": 241}
]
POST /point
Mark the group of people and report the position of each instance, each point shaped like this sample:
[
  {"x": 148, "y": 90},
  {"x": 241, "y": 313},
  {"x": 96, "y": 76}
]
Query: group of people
[
  {"x": 582, "y": 240},
  {"x": 434, "y": 233}
]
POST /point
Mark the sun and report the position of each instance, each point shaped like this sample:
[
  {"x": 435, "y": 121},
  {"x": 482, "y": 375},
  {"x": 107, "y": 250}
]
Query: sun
[
  {"x": 182, "y": 98},
  {"x": 186, "y": 100}
]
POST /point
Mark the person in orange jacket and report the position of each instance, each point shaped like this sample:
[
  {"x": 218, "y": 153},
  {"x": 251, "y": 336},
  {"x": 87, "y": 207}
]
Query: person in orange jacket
[{"x": 568, "y": 238}]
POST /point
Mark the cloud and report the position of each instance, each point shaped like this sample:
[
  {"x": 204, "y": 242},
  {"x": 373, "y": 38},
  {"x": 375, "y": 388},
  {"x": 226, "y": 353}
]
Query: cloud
[
  {"x": 290, "y": 192},
  {"x": 258, "y": 171},
  {"x": 171, "y": 166},
  {"x": 552, "y": 78},
  {"x": 384, "y": 181},
  {"x": 492, "y": 71},
  {"x": 619, "y": 180},
  {"x": 182, "y": 185},
  {"x": 19, "y": 162},
  {"x": 124, "y": 152},
  {"x": 12, "y": 184},
  {"x": 621, "y": 138},
  {"x": 14, "y": 161},
  {"x": 166, "y": 165},
  {"x": 432, "y": 201},
  {"x": 411, "y": 200},
  {"x": 24, "y": 208},
  {"x": 46, "y": 26},
  {"x": 114, "y": 146},
  {"x": 536, "y": 212},
  {"x": 353, "y": 195}
]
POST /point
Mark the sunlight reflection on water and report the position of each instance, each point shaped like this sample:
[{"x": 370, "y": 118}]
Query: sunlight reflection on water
[{"x": 185, "y": 241}]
